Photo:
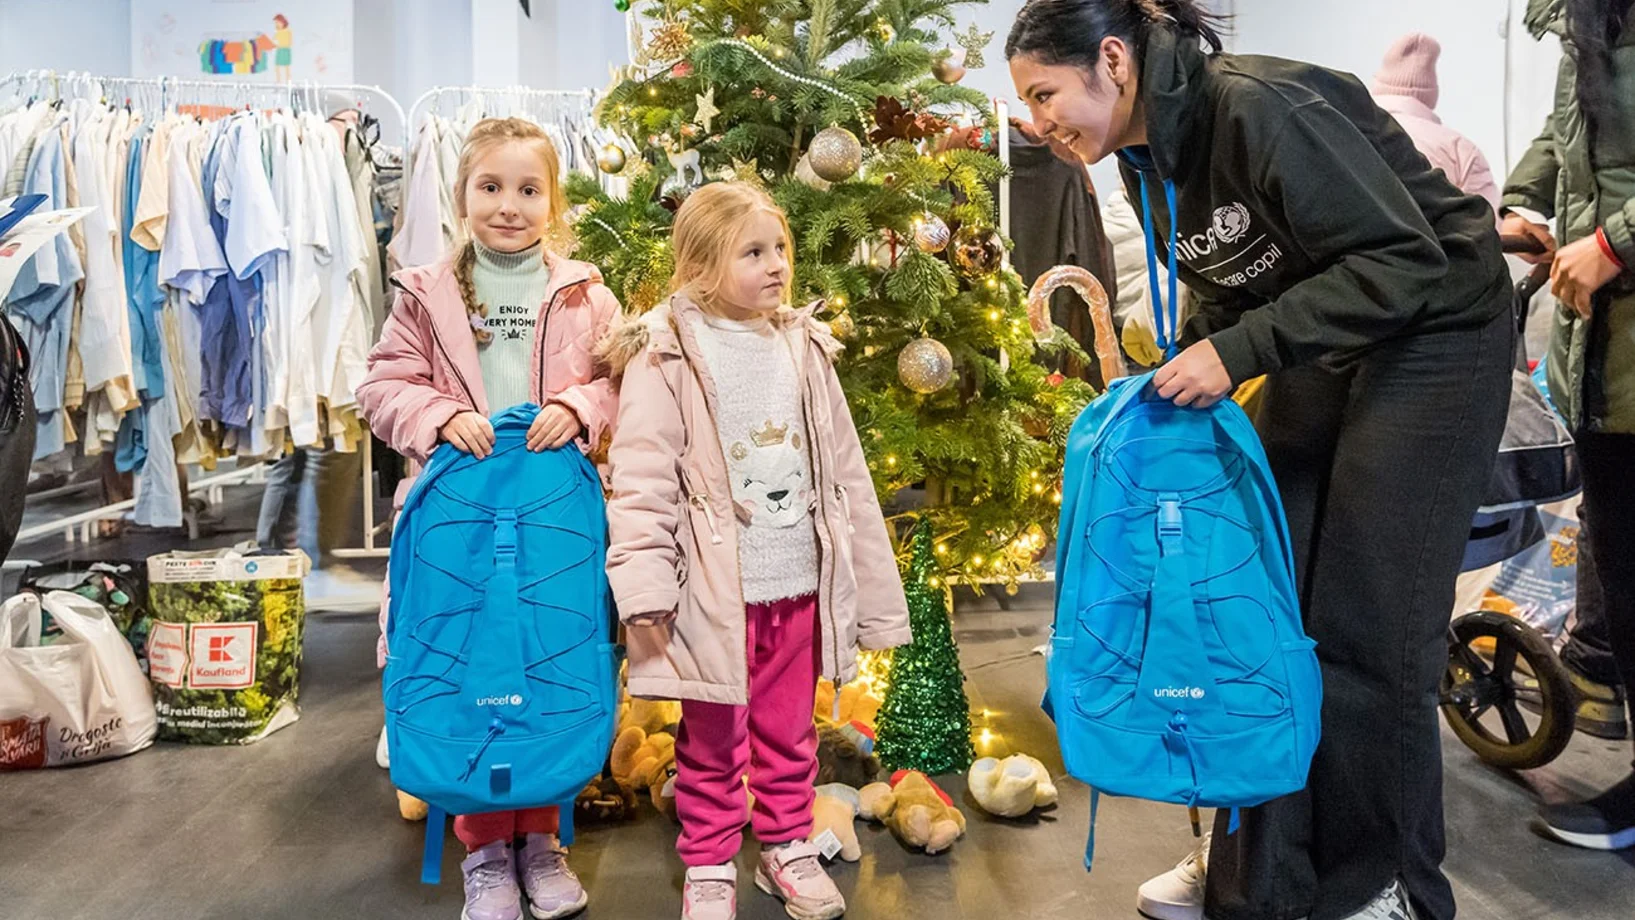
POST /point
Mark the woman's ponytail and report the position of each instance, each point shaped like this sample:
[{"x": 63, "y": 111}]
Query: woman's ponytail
[{"x": 1070, "y": 31}]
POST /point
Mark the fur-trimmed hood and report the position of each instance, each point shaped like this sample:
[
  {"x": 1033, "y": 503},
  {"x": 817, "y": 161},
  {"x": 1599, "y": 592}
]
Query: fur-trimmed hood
[{"x": 633, "y": 333}]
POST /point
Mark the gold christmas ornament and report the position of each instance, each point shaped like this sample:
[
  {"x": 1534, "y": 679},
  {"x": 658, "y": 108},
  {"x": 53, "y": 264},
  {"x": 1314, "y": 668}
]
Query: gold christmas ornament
[
  {"x": 885, "y": 31},
  {"x": 843, "y": 326},
  {"x": 806, "y": 176},
  {"x": 973, "y": 41},
  {"x": 707, "y": 110},
  {"x": 1101, "y": 315},
  {"x": 947, "y": 69},
  {"x": 836, "y": 154},
  {"x": 611, "y": 159},
  {"x": 978, "y": 251},
  {"x": 930, "y": 233},
  {"x": 670, "y": 41},
  {"x": 925, "y": 366}
]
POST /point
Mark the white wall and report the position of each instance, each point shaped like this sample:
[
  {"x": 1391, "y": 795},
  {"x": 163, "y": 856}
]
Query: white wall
[{"x": 93, "y": 35}]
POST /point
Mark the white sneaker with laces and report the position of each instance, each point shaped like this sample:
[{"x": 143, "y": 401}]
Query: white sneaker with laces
[
  {"x": 710, "y": 893},
  {"x": 1390, "y": 904},
  {"x": 793, "y": 873},
  {"x": 383, "y": 755},
  {"x": 1179, "y": 893}
]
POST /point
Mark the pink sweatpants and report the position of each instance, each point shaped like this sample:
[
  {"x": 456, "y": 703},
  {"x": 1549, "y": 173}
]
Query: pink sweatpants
[
  {"x": 478, "y": 831},
  {"x": 772, "y": 739}
]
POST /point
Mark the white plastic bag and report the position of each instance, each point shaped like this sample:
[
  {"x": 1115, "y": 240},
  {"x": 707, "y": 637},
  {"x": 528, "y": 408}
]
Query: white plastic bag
[{"x": 80, "y": 699}]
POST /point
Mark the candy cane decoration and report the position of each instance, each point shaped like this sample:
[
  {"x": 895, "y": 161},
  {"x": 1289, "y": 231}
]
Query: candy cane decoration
[{"x": 1101, "y": 315}]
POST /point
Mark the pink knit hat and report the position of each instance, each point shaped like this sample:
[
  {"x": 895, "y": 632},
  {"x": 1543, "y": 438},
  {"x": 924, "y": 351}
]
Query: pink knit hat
[{"x": 1410, "y": 69}]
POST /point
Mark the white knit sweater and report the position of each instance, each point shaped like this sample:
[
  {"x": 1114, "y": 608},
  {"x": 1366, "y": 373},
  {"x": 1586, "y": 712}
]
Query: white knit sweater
[{"x": 763, "y": 434}]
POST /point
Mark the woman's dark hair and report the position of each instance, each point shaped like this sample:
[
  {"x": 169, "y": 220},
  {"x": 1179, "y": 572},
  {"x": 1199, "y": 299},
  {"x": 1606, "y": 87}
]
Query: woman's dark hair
[
  {"x": 1593, "y": 28},
  {"x": 1070, "y": 31}
]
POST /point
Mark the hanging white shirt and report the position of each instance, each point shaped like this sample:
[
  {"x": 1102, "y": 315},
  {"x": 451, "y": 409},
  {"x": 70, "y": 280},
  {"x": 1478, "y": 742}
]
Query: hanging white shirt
[{"x": 105, "y": 332}]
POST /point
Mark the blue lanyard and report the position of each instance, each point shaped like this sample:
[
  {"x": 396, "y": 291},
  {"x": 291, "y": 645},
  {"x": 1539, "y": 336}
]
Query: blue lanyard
[{"x": 1167, "y": 339}]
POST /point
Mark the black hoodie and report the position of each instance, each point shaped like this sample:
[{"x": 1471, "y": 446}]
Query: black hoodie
[{"x": 1309, "y": 225}]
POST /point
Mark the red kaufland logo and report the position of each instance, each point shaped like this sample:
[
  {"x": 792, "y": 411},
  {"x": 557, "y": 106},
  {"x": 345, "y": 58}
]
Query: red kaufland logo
[
  {"x": 223, "y": 656},
  {"x": 221, "y": 648}
]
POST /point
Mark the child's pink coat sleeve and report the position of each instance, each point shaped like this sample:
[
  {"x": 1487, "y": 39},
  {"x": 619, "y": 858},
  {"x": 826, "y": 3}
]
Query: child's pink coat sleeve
[
  {"x": 398, "y": 396},
  {"x": 596, "y": 402}
]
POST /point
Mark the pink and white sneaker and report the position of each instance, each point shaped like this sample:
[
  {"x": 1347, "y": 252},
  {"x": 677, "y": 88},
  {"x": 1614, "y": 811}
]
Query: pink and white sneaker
[
  {"x": 794, "y": 874},
  {"x": 710, "y": 893}
]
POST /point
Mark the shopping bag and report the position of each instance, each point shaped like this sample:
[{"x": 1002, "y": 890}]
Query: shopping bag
[
  {"x": 120, "y": 587},
  {"x": 74, "y": 700},
  {"x": 224, "y": 644}
]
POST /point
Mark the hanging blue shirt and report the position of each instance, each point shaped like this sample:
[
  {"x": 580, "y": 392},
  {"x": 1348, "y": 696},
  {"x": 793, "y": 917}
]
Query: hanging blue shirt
[
  {"x": 42, "y": 297},
  {"x": 145, "y": 301}
]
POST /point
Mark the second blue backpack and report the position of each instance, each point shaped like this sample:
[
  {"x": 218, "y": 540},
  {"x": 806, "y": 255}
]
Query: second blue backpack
[
  {"x": 1179, "y": 670},
  {"x": 501, "y": 673}
]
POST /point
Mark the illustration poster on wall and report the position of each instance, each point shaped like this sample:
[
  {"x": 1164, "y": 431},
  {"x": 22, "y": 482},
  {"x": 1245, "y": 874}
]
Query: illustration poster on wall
[{"x": 274, "y": 41}]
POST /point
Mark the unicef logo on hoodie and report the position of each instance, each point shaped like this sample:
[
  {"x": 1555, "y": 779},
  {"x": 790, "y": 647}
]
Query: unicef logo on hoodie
[{"x": 1231, "y": 223}]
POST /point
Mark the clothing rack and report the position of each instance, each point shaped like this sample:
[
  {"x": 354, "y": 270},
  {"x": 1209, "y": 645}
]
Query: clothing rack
[
  {"x": 169, "y": 92},
  {"x": 432, "y": 100},
  {"x": 231, "y": 94}
]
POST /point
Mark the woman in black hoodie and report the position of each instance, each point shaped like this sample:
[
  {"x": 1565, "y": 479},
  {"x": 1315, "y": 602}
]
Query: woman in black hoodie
[{"x": 1328, "y": 254}]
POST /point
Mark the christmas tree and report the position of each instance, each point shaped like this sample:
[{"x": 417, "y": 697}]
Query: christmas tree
[
  {"x": 851, "y": 113},
  {"x": 925, "y": 722}
]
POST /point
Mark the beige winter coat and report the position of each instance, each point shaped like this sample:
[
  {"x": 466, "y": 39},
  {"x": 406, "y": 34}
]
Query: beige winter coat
[{"x": 673, "y": 525}]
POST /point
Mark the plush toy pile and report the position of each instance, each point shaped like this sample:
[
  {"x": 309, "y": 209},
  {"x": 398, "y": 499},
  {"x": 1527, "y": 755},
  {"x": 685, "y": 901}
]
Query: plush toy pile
[{"x": 1013, "y": 787}]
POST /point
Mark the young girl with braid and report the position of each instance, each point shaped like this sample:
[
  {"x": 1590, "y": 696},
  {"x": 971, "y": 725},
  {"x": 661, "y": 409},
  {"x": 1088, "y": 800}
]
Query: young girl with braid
[{"x": 507, "y": 320}]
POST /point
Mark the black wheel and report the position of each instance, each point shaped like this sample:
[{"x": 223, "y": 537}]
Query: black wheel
[{"x": 1482, "y": 698}]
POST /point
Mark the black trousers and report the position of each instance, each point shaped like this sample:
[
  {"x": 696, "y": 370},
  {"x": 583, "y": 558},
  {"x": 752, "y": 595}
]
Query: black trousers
[
  {"x": 1589, "y": 647},
  {"x": 1608, "y": 513},
  {"x": 1381, "y": 468},
  {"x": 16, "y": 456}
]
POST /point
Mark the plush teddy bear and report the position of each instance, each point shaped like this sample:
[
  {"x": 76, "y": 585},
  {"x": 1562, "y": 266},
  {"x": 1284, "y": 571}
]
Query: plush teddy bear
[
  {"x": 842, "y": 758},
  {"x": 604, "y": 801},
  {"x": 855, "y": 704},
  {"x": 411, "y": 808},
  {"x": 835, "y": 811},
  {"x": 639, "y": 760},
  {"x": 1012, "y": 787},
  {"x": 918, "y": 813}
]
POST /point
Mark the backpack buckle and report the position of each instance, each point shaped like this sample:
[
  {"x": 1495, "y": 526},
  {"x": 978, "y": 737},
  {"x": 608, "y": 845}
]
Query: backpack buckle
[
  {"x": 1170, "y": 532},
  {"x": 505, "y": 537}
]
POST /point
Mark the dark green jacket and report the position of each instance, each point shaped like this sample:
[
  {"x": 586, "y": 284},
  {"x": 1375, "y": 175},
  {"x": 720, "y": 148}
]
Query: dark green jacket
[
  {"x": 1309, "y": 225},
  {"x": 1588, "y": 185}
]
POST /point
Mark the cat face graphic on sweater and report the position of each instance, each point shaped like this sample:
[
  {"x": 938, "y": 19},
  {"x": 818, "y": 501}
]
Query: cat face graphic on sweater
[{"x": 769, "y": 477}]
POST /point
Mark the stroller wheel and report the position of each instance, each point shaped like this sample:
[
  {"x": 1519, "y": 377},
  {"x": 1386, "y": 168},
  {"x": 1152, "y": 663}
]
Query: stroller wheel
[{"x": 1482, "y": 697}]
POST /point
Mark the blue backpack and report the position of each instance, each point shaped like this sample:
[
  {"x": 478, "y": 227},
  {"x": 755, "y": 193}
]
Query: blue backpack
[
  {"x": 500, "y": 682},
  {"x": 1179, "y": 670}
]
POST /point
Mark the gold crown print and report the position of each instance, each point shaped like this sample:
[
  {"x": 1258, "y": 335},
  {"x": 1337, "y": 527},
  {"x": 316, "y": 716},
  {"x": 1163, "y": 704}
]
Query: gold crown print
[{"x": 769, "y": 435}]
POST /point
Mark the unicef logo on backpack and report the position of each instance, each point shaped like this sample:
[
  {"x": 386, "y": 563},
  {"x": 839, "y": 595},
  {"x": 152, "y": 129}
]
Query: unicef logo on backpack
[
  {"x": 514, "y": 699},
  {"x": 1231, "y": 222},
  {"x": 1179, "y": 693}
]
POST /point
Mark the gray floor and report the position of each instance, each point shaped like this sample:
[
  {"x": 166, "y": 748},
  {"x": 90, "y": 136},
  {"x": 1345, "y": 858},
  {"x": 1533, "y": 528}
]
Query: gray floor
[{"x": 304, "y": 825}]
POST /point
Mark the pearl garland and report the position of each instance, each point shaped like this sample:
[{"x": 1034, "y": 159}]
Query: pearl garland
[{"x": 862, "y": 117}]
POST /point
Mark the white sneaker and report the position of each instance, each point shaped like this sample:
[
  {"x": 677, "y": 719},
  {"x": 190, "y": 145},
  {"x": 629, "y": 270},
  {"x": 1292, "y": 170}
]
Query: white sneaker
[
  {"x": 710, "y": 893},
  {"x": 1390, "y": 904},
  {"x": 383, "y": 754},
  {"x": 1179, "y": 893}
]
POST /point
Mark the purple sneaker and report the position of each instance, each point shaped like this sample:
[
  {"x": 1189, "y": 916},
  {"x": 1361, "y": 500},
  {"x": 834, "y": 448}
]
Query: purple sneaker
[
  {"x": 491, "y": 885},
  {"x": 553, "y": 890}
]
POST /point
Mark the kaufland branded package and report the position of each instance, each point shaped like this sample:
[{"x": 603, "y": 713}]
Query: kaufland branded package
[{"x": 224, "y": 648}]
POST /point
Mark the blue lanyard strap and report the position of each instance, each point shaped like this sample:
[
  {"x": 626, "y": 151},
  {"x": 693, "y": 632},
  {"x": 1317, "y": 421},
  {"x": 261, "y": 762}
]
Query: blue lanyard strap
[{"x": 1166, "y": 334}]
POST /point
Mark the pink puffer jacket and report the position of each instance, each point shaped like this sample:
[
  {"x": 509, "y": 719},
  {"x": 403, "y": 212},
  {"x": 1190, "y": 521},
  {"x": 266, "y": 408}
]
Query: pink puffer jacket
[
  {"x": 424, "y": 370},
  {"x": 673, "y": 526}
]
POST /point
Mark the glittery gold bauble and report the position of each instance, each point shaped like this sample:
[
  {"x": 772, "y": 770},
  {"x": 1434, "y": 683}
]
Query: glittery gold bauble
[
  {"x": 804, "y": 173},
  {"x": 836, "y": 154},
  {"x": 885, "y": 30},
  {"x": 925, "y": 365},
  {"x": 978, "y": 251},
  {"x": 843, "y": 326},
  {"x": 931, "y": 233},
  {"x": 670, "y": 41},
  {"x": 611, "y": 160}
]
